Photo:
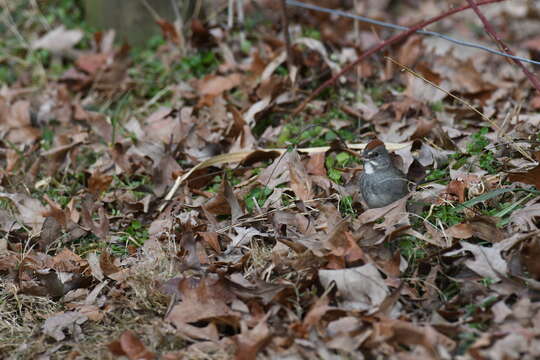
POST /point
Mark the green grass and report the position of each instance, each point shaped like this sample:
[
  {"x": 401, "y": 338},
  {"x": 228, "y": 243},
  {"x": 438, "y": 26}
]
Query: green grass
[
  {"x": 215, "y": 185},
  {"x": 346, "y": 206},
  {"x": 316, "y": 132},
  {"x": 449, "y": 215},
  {"x": 152, "y": 75},
  {"x": 438, "y": 174},
  {"x": 135, "y": 234},
  {"x": 437, "y": 106},
  {"x": 412, "y": 248},
  {"x": 312, "y": 33},
  {"x": 477, "y": 146},
  {"x": 258, "y": 195},
  {"x": 17, "y": 59}
]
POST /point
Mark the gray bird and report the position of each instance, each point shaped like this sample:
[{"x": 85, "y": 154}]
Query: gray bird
[{"x": 381, "y": 183}]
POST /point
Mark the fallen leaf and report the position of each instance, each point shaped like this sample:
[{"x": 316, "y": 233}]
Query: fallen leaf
[
  {"x": 69, "y": 322},
  {"x": 457, "y": 189},
  {"x": 129, "y": 345},
  {"x": 205, "y": 301},
  {"x": 236, "y": 210},
  {"x": 406, "y": 333},
  {"x": 95, "y": 268},
  {"x": 487, "y": 262},
  {"x": 300, "y": 181},
  {"x": 91, "y": 63},
  {"x": 30, "y": 210},
  {"x": 395, "y": 216},
  {"x": 58, "y": 39},
  {"x": 460, "y": 231},
  {"x": 98, "y": 183},
  {"x": 529, "y": 257},
  {"x": 315, "y": 165},
  {"x": 361, "y": 288},
  {"x": 169, "y": 31},
  {"x": 526, "y": 219},
  {"x": 213, "y": 85},
  {"x": 250, "y": 342},
  {"x": 531, "y": 177}
]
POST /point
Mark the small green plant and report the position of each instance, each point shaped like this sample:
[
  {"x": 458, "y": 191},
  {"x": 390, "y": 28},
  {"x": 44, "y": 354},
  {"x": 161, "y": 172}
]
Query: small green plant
[
  {"x": 466, "y": 340},
  {"x": 447, "y": 214},
  {"x": 246, "y": 46},
  {"x": 135, "y": 234},
  {"x": 198, "y": 65},
  {"x": 411, "y": 248},
  {"x": 132, "y": 184},
  {"x": 312, "y": 33},
  {"x": 215, "y": 185},
  {"x": 437, "y": 106},
  {"x": 437, "y": 175},
  {"x": 487, "y": 281},
  {"x": 479, "y": 142},
  {"x": 338, "y": 161},
  {"x": 477, "y": 146},
  {"x": 153, "y": 75},
  {"x": 477, "y": 149},
  {"x": 258, "y": 195},
  {"x": 451, "y": 290},
  {"x": 376, "y": 93},
  {"x": 333, "y": 173},
  {"x": 118, "y": 250},
  {"x": 344, "y": 159},
  {"x": 149, "y": 72},
  {"x": 47, "y": 138},
  {"x": 67, "y": 12},
  {"x": 7, "y": 76},
  {"x": 471, "y": 309},
  {"x": 458, "y": 160},
  {"x": 282, "y": 71},
  {"x": 487, "y": 162},
  {"x": 346, "y": 206},
  {"x": 317, "y": 133},
  {"x": 86, "y": 157}
]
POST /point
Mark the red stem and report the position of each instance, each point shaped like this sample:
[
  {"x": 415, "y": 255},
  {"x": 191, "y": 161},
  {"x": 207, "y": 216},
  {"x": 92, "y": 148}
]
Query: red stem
[
  {"x": 491, "y": 31},
  {"x": 375, "y": 48}
]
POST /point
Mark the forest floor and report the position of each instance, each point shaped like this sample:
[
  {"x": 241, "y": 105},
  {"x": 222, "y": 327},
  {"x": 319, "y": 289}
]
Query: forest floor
[{"x": 166, "y": 201}]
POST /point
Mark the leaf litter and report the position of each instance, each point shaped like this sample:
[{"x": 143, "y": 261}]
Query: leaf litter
[{"x": 162, "y": 203}]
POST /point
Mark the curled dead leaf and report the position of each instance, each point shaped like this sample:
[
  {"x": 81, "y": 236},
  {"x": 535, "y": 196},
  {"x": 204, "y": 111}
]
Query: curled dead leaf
[{"x": 131, "y": 346}]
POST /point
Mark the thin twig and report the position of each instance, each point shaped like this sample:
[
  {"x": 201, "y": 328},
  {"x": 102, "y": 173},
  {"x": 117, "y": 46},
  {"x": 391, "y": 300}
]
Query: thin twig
[
  {"x": 382, "y": 45},
  {"x": 491, "y": 31},
  {"x": 481, "y": 114},
  {"x": 230, "y": 14},
  {"x": 409, "y": 70},
  {"x": 399, "y": 27},
  {"x": 285, "y": 25},
  {"x": 241, "y": 20},
  {"x": 179, "y": 26},
  {"x": 151, "y": 10}
]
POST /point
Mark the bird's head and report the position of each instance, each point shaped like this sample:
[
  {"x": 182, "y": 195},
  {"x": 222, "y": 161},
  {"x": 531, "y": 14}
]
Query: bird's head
[{"x": 376, "y": 157}]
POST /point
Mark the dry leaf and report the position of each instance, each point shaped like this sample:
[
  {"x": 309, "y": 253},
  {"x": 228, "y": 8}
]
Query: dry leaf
[
  {"x": 56, "y": 326},
  {"x": 250, "y": 342},
  {"x": 531, "y": 177},
  {"x": 361, "y": 288},
  {"x": 58, "y": 39},
  {"x": 129, "y": 345}
]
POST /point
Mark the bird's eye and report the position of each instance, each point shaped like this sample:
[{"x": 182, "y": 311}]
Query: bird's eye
[{"x": 375, "y": 154}]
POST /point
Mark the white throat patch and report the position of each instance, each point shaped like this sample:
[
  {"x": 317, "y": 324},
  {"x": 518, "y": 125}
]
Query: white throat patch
[{"x": 368, "y": 167}]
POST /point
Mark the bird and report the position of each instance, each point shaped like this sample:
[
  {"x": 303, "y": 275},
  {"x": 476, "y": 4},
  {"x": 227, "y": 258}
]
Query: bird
[{"x": 381, "y": 182}]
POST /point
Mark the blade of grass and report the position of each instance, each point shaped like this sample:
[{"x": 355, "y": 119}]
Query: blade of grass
[{"x": 491, "y": 195}]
